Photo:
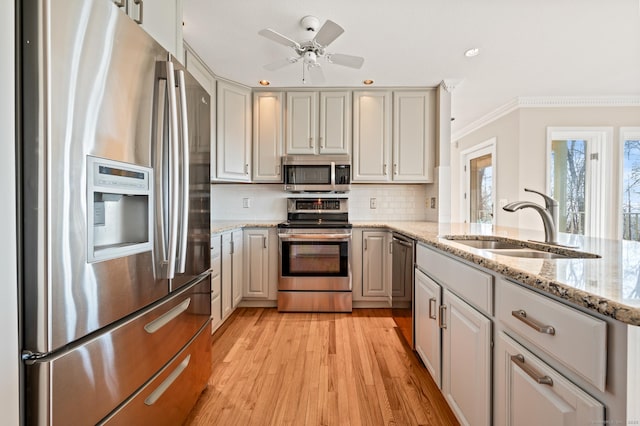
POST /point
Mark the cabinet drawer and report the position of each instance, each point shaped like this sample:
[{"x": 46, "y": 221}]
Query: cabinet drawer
[
  {"x": 216, "y": 251},
  {"x": 170, "y": 396},
  {"x": 577, "y": 340},
  {"x": 467, "y": 282},
  {"x": 529, "y": 392}
]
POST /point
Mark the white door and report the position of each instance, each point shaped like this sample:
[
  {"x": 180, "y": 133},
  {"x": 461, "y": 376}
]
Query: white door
[
  {"x": 479, "y": 183},
  {"x": 226, "y": 272},
  {"x": 237, "y": 275},
  {"x": 373, "y": 264},
  {"x": 371, "y": 136},
  {"x": 233, "y": 132},
  {"x": 335, "y": 122},
  {"x": 413, "y": 135},
  {"x": 427, "y": 303},
  {"x": 267, "y": 136},
  {"x": 302, "y": 122},
  {"x": 466, "y": 361},
  {"x": 256, "y": 249}
]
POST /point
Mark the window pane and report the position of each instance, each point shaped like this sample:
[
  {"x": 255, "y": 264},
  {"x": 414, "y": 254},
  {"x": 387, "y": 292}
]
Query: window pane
[
  {"x": 631, "y": 190},
  {"x": 481, "y": 171},
  {"x": 568, "y": 173}
]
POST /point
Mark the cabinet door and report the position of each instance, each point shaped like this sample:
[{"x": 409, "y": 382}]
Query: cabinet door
[
  {"x": 216, "y": 282},
  {"x": 206, "y": 79},
  {"x": 413, "y": 136},
  {"x": 466, "y": 361},
  {"x": 374, "y": 250},
  {"x": 256, "y": 260},
  {"x": 371, "y": 136},
  {"x": 237, "y": 265},
  {"x": 226, "y": 275},
  {"x": 267, "y": 136},
  {"x": 335, "y": 122},
  {"x": 162, "y": 19},
  {"x": 234, "y": 132},
  {"x": 522, "y": 401},
  {"x": 427, "y": 302},
  {"x": 302, "y": 122}
]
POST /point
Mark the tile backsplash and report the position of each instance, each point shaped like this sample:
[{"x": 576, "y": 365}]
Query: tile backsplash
[{"x": 267, "y": 202}]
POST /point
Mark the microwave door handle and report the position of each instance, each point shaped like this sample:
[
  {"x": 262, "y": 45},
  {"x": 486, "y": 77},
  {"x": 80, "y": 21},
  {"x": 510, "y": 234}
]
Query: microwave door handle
[
  {"x": 333, "y": 174},
  {"x": 184, "y": 178}
]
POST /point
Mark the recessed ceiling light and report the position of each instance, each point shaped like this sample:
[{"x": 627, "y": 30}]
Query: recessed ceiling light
[
  {"x": 264, "y": 82},
  {"x": 368, "y": 82},
  {"x": 472, "y": 52}
]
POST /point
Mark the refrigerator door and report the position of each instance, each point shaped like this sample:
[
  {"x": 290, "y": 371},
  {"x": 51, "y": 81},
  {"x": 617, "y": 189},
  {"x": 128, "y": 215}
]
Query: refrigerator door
[
  {"x": 194, "y": 105},
  {"x": 90, "y": 82}
]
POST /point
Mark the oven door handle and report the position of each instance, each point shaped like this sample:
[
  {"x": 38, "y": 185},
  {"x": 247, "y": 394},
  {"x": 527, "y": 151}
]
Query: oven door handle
[{"x": 318, "y": 237}]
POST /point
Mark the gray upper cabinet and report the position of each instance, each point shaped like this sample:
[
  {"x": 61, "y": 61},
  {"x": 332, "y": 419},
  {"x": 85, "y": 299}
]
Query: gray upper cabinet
[
  {"x": 318, "y": 122},
  {"x": 267, "y": 136}
]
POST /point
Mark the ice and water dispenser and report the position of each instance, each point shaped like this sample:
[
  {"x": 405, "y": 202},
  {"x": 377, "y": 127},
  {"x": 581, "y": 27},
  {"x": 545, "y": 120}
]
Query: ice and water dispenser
[{"x": 120, "y": 209}]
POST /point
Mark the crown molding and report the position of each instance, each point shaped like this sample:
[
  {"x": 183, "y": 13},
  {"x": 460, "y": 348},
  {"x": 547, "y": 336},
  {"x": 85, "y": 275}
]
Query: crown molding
[{"x": 546, "y": 102}]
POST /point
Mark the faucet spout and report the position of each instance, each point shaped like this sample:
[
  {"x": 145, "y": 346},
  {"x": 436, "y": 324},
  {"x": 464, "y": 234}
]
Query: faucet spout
[{"x": 549, "y": 215}]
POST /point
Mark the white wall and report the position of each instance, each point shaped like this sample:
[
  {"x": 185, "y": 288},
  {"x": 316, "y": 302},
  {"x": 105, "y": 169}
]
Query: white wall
[
  {"x": 521, "y": 138},
  {"x": 394, "y": 202},
  {"x": 9, "y": 355}
]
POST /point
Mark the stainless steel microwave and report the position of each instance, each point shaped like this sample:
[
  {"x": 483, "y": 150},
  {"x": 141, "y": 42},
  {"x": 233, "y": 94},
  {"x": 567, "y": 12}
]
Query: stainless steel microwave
[{"x": 317, "y": 173}]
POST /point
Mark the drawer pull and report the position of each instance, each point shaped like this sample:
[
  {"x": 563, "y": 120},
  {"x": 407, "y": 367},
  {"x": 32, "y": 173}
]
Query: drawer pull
[
  {"x": 167, "y": 317},
  {"x": 540, "y": 328},
  {"x": 443, "y": 313},
  {"x": 432, "y": 302},
  {"x": 157, "y": 393},
  {"x": 539, "y": 378}
]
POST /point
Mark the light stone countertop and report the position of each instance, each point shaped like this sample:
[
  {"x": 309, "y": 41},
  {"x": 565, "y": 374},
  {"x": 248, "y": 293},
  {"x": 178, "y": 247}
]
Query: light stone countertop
[{"x": 609, "y": 285}]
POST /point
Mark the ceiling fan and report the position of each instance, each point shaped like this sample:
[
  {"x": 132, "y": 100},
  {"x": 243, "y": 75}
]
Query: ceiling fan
[{"x": 312, "y": 50}]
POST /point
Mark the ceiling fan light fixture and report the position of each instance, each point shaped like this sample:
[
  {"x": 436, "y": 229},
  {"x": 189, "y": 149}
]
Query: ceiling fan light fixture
[
  {"x": 264, "y": 82},
  {"x": 368, "y": 82}
]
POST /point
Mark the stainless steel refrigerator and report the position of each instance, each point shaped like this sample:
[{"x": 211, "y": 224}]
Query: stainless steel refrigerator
[{"x": 114, "y": 213}]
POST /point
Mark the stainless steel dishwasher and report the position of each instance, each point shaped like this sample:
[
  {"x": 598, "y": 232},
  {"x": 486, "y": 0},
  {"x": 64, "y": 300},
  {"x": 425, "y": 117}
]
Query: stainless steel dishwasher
[{"x": 403, "y": 257}]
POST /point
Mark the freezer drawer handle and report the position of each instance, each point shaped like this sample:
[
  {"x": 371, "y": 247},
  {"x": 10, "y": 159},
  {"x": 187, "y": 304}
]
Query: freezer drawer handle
[
  {"x": 156, "y": 394},
  {"x": 167, "y": 317},
  {"x": 540, "y": 328},
  {"x": 539, "y": 378}
]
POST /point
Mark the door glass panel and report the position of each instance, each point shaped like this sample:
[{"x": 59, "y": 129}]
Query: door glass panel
[
  {"x": 568, "y": 176},
  {"x": 480, "y": 189},
  {"x": 631, "y": 190}
]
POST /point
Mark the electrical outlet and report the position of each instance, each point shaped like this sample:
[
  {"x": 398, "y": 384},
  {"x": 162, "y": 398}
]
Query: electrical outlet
[
  {"x": 246, "y": 203},
  {"x": 433, "y": 202},
  {"x": 373, "y": 203}
]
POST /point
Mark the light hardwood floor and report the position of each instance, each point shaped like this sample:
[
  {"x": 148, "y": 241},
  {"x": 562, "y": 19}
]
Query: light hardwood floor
[{"x": 273, "y": 368}]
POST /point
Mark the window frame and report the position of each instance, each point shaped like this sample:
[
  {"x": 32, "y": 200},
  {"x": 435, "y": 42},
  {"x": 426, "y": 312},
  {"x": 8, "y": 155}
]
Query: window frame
[
  {"x": 486, "y": 147},
  {"x": 625, "y": 134}
]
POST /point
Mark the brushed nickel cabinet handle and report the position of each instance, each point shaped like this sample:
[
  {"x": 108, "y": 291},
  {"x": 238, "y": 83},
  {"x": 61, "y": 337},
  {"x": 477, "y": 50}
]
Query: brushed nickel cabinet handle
[
  {"x": 432, "y": 303},
  {"x": 395, "y": 168},
  {"x": 384, "y": 169},
  {"x": 443, "y": 312},
  {"x": 264, "y": 242},
  {"x": 119, "y": 3},
  {"x": 140, "y": 11},
  {"x": 540, "y": 328},
  {"x": 310, "y": 142},
  {"x": 531, "y": 372},
  {"x": 321, "y": 143}
]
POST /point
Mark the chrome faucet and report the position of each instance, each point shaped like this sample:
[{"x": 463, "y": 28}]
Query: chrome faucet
[{"x": 549, "y": 214}]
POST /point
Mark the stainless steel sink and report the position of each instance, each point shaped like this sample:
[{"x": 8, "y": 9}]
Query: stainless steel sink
[
  {"x": 517, "y": 248},
  {"x": 531, "y": 254},
  {"x": 487, "y": 244}
]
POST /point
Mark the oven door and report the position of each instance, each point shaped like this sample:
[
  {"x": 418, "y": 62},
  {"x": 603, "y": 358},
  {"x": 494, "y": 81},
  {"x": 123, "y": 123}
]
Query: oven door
[{"x": 315, "y": 261}]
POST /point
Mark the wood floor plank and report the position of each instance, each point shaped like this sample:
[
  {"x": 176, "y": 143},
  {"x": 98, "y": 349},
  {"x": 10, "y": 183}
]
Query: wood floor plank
[{"x": 272, "y": 368}]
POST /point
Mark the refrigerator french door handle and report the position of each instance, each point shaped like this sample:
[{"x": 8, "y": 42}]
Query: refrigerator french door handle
[
  {"x": 174, "y": 165},
  {"x": 181, "y": 261}
]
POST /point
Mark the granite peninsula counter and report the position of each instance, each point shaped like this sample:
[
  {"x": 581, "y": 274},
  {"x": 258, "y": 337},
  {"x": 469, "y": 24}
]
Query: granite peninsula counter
[{"x": 609, "y": 285}]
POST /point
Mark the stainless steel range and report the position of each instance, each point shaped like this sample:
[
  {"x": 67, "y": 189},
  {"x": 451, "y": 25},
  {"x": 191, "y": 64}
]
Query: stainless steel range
[{"x": 315, "y": 256}]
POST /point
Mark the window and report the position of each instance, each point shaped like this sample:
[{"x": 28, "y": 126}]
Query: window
[
  {"x": 479, "y": 182},
  {"x": 630, "y": 219},
  {"x": 578, "y": 176}
]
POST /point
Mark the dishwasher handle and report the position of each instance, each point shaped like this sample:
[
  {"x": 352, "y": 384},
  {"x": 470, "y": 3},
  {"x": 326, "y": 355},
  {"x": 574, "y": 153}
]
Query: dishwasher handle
[{"x": 402, "y": 242}]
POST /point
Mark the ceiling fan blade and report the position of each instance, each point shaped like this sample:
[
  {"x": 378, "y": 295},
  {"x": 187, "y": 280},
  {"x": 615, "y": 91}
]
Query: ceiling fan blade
[
  {"x": 316, "y": 74},
  {"x": 346, "y": 60},
  {"x": 328, "y": 33},
  {"x": 280, "y": 63},
  {"x": 279, "y": 38}
]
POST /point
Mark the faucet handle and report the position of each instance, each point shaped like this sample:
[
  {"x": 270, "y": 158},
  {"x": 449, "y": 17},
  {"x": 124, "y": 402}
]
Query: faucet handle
[{"x": 548, "y": 201}]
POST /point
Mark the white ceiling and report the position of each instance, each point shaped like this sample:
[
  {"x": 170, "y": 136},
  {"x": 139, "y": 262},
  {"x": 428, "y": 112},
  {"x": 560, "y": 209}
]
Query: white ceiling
[{"x": 528, "y": 47}]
